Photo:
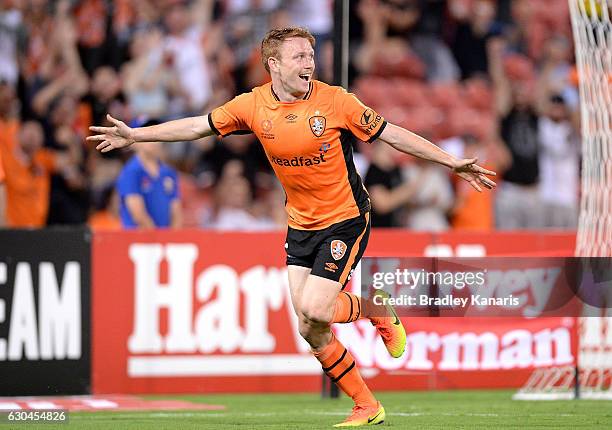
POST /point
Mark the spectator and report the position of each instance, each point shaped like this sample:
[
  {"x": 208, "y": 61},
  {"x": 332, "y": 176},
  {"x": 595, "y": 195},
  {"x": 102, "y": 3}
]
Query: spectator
[
  {"x": 184, "y": 52},
  {"x": 559, "y": 164},
  {"x": 405, "y": 20},
  {"x": 318, "y": 17},
  {"x": 432, "y": 199},
  {"x": 146, "y": 79},
  {"x": 244, "y": 25},
  {"x": 556, "y": 70},
  {"x": 148, "y": 190},
  {"x": 243, "y": 148},
  {"x": 53, "y": 66},
  {"x": 97, "y": 42},
  {"x": 105, "y": 94},
  {"x": 518, "y": 203},
  {"x": 38, "y": 29},
  {"x": 11, "y": 37},
  {"x": 69, "y": 198},
  {"x": 471, "y": 210},
  {"x": 30, "y": 167},
  {"x": 185, "y": 56},
  {"x": 388, "y": 192},
  {"x": 469, "y": 44},
  {"x": 106, "y": 214},
  {"x": 233, "y": 207}
]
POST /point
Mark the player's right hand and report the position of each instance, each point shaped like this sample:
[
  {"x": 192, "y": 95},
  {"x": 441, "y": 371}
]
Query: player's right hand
[{"x": 118, "y": 136}]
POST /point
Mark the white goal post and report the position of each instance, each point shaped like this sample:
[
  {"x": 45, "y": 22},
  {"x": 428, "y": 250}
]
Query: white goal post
[{"x": 591, "y": 378}]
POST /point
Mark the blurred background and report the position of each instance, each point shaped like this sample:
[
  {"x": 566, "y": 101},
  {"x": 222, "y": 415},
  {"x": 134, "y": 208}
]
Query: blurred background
[
  {"x": 196, "y": 310},
  {"x": 485, "y": 78}
]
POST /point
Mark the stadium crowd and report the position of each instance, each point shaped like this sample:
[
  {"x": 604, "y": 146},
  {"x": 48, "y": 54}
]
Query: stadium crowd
[{"x": 485, "y": 78}]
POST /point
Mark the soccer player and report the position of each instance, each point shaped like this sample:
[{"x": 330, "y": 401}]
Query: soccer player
[{"x": 306, "y": 127}]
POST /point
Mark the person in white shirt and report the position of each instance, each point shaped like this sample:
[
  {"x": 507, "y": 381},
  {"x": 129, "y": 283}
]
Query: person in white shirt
[{"x": 559, "y": 160}]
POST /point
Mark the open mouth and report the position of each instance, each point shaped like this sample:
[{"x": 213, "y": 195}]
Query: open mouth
[{"x": 305, "y": 77}]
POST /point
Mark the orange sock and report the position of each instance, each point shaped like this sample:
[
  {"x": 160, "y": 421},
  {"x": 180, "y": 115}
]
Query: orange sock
[
  {"x": 347, "y": 308},
  {"x": 339, "y": 365}
]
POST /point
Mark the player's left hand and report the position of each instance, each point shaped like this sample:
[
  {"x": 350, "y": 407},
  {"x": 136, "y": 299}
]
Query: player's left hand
[{"x": 468, "y": 170}]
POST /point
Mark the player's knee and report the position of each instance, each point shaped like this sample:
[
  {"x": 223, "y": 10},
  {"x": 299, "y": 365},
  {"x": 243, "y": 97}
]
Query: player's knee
[
  {"x": 316, "y": 316},
  {"x": 306, "y": 330}
]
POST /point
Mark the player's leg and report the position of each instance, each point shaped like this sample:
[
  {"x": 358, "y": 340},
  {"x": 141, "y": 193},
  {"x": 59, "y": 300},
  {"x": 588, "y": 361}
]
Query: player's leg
[
  {"x": 317, "y": 307},
  {"x": 297, "y": 279},
  {"x": 348, "y": 307}
]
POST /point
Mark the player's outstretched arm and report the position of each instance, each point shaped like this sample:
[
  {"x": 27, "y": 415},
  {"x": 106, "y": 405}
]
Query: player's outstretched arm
[
  {"x": 120, "y": 135},
  {"x": 413, "y": 144}
]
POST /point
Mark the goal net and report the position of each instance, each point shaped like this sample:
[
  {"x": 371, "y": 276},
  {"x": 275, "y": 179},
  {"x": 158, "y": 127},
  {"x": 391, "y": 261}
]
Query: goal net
[
  {"x": 592, "y": 31},
  {"x": 592, "y": 376}
]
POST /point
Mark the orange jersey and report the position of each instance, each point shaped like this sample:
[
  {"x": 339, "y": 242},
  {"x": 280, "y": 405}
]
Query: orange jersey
[
  {"x": 27, "y": 186},
  {"x": 308, "y": 144},
  {"x": 1, "y": 169}
]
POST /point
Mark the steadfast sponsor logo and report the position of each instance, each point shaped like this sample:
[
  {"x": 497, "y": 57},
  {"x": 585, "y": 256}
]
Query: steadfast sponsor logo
[
  {"x": 226, "y": 314},
  {"x": 298, "y": 161},
  {"x": 46, "y": 327}
]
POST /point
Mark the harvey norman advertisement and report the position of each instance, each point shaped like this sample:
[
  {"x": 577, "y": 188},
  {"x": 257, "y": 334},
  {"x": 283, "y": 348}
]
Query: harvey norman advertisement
[
  {"x": 44, "y": 312},
  {"x": 193, "y": 311}
]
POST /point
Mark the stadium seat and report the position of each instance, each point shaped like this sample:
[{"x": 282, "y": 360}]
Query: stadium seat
[
  {"x": 409, "y": 92},
  {"x": 477, "y": 94},
  {"x": 519, "y": 67},
  {"x": 445, "y": 95}
]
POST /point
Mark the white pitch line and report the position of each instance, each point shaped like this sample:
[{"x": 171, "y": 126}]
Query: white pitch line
[
  {"x": 204, "y": 414},
  {"x": 144, "y": 415}
]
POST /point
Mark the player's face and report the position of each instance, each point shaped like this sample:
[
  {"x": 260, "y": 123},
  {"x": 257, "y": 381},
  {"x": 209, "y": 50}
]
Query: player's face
[{"x": 296, "y": 65}]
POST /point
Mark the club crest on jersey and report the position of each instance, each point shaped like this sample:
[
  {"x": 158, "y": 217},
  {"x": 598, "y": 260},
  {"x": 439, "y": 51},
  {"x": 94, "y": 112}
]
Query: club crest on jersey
[
  {"x": 338, "y": 248},
  {"x": 168, "y": 185},
  {"x": 317, "y": 125},
  {"x": 266, "y": 125}
]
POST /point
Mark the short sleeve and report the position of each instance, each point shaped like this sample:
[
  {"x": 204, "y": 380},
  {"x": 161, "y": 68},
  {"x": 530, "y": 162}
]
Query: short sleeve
[
  {"x": 365, "y": 123},
  {"x": 234, "y": 116},
  {"x": 128, "y": 182}
]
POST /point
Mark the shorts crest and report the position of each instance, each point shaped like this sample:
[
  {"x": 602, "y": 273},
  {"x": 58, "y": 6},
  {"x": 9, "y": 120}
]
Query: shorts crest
[{"x": 338, "y": 249}]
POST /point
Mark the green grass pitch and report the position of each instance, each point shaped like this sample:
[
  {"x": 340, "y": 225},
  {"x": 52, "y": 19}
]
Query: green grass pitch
[{"x": 405, "y": 410}]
